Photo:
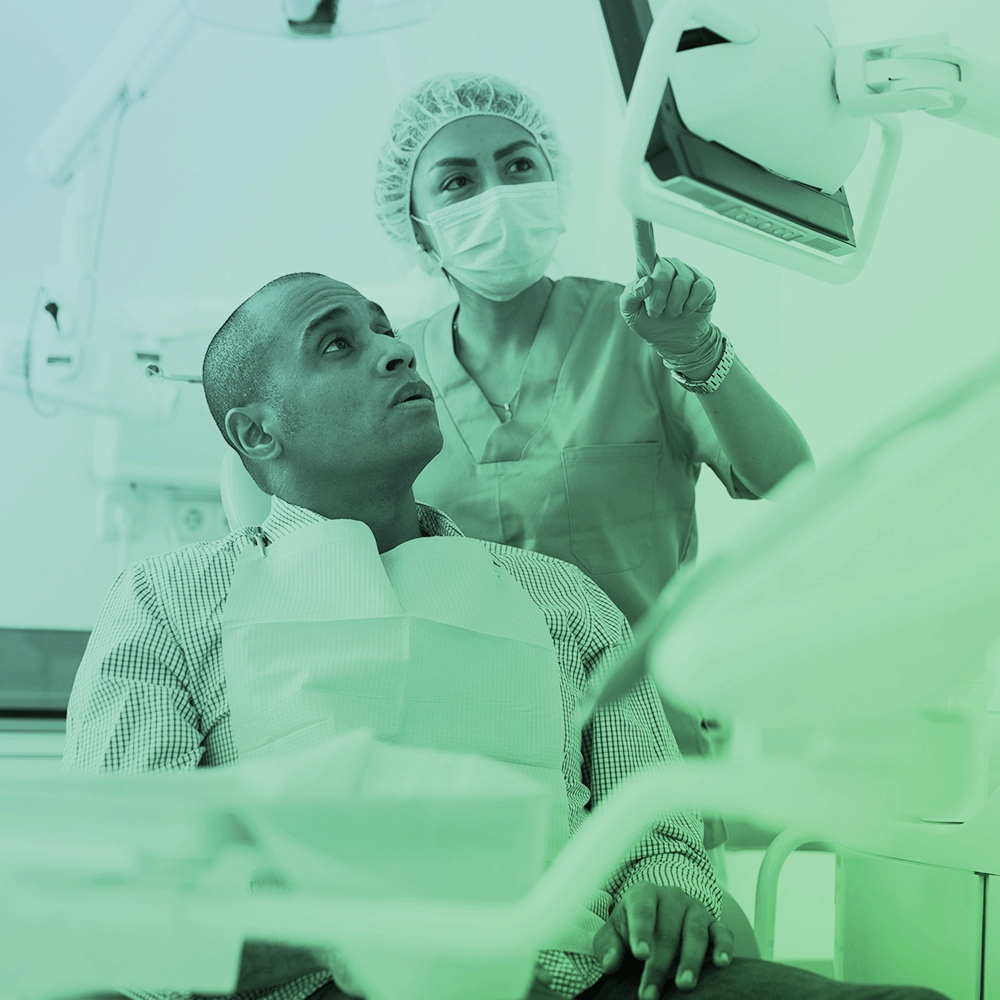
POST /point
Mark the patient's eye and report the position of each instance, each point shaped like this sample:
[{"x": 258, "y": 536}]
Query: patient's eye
[{"x": 339, "y": 342}]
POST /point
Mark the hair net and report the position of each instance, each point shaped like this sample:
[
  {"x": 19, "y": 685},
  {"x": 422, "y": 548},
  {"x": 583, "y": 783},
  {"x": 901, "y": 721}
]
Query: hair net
[{"x": 424, "y": 112}]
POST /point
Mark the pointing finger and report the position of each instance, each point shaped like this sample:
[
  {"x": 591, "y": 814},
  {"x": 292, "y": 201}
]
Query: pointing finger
[
  {"x": 645, "y": 246},
  {"x": 663, "y": 279}
]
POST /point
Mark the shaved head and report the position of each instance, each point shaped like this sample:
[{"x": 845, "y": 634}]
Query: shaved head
[{"x": 239, "y": 363}]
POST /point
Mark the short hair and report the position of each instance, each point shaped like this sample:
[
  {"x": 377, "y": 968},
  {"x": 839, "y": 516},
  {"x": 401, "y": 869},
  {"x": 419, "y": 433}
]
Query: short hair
[{"x": 238, "y": 368}]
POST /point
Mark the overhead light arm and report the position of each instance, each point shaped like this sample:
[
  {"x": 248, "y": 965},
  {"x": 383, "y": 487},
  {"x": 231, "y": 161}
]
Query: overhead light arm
[
  {"x": 123, "y": 73},
  {"x": 77, "y": 149}
]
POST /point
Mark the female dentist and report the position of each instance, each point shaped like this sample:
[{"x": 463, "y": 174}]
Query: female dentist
[{"x": 576, "y": 414}]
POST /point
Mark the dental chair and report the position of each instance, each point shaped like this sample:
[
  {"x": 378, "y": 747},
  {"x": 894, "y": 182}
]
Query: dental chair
[{"x": 245, "y": 504}]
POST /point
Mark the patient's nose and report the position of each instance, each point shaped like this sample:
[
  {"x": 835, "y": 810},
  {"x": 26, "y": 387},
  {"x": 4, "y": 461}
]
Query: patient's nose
[{"x": 396, "y": 354}]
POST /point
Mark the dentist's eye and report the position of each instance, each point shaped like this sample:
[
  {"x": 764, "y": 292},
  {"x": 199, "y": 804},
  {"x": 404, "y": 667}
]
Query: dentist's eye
[
  {"x": 452, "y": 183},
  {"x": 523, "y": 165}
]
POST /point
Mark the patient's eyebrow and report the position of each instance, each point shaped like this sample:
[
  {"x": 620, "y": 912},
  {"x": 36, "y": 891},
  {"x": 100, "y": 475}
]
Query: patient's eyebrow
[
  {"x": 378, "y": 312},
  {"x": 331, "y": 318}
]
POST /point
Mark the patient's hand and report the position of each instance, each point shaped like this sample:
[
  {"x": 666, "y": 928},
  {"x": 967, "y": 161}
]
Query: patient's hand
[{"x": 660, "y": 924}]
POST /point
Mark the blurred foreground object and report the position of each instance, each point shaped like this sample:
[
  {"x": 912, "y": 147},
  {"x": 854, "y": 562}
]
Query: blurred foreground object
[
  {"x": 849, "y": 636},
  {"x": 846, "y": 640},
  {"x": 145, "y": 880}
]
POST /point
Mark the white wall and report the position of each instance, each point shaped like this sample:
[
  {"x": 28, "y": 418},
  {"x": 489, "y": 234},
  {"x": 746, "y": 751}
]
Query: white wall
[{"x": 254, "y": 157}]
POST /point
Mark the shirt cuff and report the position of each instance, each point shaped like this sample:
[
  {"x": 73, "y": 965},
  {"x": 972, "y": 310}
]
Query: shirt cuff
[
  {"x": 571, "y": 972},
  {"x": 295, "y": 989}
]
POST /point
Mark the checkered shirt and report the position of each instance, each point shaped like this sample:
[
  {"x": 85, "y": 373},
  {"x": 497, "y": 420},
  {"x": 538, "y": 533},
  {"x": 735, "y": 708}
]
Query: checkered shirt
[{"x": 150, "y": 695}]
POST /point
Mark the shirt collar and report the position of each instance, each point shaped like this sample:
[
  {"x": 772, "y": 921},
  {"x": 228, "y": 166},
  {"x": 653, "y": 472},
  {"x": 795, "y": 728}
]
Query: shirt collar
[{"x": 287, "y": 517}]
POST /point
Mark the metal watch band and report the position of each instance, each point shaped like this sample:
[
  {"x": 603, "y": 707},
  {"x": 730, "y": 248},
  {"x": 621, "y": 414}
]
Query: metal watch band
[{"x": 715, "y": 379}]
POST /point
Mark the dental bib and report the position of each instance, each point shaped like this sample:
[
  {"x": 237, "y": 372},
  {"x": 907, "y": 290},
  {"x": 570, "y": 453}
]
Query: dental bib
[{"x": 427, "y": 645}]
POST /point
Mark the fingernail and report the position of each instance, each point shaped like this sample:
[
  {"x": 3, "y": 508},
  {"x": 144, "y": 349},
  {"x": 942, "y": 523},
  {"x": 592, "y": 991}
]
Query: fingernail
[
  {"x": 650, "y": 993},
  {"x": 724, "y": 958},
  {"x": 606, "y": 961},
  {"x": 640, "y": 950},
  {"x": 686, "y": 978}
]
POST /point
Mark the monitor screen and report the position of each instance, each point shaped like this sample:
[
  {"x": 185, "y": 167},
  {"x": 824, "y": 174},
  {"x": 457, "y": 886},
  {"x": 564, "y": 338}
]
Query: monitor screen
[{"x": 714, "y": 176}]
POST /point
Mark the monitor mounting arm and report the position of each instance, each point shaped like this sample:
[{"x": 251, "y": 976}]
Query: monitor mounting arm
[{"x": 926, "y": 74}]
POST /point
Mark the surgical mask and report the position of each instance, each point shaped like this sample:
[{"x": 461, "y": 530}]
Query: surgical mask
[{"x": 501, "y": 241}]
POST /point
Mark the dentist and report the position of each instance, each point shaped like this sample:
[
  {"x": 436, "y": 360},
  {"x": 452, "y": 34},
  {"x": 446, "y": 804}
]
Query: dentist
[{"x": 576, "y": 413}]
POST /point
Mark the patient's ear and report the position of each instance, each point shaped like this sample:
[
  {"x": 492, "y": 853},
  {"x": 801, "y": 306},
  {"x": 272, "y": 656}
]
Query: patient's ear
[{"x": 249, "y": 430}]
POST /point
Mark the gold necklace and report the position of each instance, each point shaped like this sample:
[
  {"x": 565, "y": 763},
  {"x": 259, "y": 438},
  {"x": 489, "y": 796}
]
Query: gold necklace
[{"x": 506, "y": 407}]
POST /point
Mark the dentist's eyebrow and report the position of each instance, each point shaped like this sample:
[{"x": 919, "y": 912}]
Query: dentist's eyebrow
[
  {"x": 455, "y": 161},
  {"x": 465, "y": 161},
  {"x": 507, "y": 150}
]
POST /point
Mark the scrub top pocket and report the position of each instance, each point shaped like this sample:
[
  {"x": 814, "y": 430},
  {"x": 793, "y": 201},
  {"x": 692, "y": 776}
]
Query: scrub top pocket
[{"x": 610, "y": 491}]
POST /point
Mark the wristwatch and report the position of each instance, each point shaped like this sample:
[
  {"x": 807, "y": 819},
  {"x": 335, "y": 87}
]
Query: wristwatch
[{"x": 714, "y": 380}]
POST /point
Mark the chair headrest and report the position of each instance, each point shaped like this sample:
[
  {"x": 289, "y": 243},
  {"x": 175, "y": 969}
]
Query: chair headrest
[{"x": 244, "y": 502}]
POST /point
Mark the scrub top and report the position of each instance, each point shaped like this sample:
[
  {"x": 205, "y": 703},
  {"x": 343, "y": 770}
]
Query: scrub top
[{"x": 598, "y": 463}]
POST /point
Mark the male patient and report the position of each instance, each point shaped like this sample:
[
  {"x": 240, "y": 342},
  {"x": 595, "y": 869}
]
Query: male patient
[{"x": 309, "y": 385}]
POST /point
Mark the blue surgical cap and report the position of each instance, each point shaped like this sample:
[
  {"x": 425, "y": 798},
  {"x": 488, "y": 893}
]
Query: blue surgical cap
[{"x": 424, "y": 112}]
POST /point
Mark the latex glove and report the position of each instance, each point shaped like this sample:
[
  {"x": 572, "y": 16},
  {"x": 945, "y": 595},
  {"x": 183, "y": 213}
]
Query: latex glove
[
  {"x": 662, "y": 925},
  {"x": 670, "y": 305}
]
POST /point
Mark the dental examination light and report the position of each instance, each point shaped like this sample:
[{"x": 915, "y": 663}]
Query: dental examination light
[
  {"x": 78, "y": 150},
  {"x": 743, "y": 128}
]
